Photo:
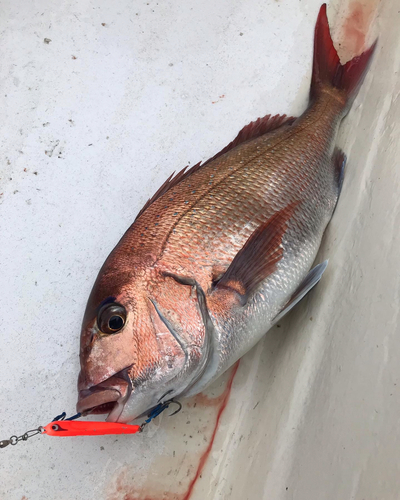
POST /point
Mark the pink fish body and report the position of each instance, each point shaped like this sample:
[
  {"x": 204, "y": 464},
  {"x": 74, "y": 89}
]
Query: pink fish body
[{"x": 218, "y": 254}]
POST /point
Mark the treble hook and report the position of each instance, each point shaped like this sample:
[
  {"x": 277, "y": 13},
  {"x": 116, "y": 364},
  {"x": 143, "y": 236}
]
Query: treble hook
[
  {"x": 168, "y": 402},
  {"x": 163, "y": 396},
  {"x": 177, "y": 403}
]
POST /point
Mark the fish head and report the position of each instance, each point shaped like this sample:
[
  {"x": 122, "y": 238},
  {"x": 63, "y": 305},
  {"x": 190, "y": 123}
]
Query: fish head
[{"x": 140, "y": 344}]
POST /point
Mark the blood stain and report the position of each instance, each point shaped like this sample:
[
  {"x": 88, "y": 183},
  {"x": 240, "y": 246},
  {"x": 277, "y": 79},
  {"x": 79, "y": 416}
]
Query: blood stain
[
  {"x": 128, "y": 492},
  {"x": 225, "y": 398},
  {"x": 357, "y": 25}
]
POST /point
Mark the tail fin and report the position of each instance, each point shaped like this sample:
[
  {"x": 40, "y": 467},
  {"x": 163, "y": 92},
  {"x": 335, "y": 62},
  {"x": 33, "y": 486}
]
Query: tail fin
[{"x": 327, "y": 70}]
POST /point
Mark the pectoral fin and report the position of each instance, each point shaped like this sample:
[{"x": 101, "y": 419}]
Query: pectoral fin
[
  {"x": 305, "y": 286},
  {"x": 258, "y": 257}
]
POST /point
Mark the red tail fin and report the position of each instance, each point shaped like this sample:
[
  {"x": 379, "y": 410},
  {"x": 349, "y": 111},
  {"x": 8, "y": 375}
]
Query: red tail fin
[{"x": 327, "y": 70}]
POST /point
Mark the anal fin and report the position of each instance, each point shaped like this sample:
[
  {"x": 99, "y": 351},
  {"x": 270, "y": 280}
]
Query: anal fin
[
  {"x": 339, "y": 163},
  {"x": 305, "y": 286},
  {"x": 339, "y": 160}
]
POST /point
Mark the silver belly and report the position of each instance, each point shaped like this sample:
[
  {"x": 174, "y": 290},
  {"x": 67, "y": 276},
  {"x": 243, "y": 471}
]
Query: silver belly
[{"x": 234, "y": 337}]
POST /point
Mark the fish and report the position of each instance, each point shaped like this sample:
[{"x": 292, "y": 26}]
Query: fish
[{"x": 219, "y": 254}]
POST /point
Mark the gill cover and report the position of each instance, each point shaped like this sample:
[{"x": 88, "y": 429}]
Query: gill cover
[{"x": 140, "y": 342}]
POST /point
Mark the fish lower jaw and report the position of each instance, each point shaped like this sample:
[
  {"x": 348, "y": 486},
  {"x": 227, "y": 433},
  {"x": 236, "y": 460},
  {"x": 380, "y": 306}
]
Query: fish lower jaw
[
  {"x": 112, "y": 409},
  {"x": 116, "y": 411},
  {"x": 99, "y": 401},
  {"x": 96, "y": 399},
  {"x": 105, "y": 408}
]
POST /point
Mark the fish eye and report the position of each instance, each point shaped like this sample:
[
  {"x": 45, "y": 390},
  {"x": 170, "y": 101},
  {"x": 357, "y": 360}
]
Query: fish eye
[{"x": 111, "y": 318}]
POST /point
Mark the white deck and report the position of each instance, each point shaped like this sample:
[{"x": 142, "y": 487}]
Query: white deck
[{"x": 91, "y": 124}]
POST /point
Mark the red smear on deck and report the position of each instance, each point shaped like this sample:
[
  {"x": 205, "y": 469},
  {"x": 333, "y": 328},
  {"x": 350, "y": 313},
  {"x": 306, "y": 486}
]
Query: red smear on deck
[
  {"x": 225, "y": 398},
  {"x": 357, "y": 25},
  {"x": 128, "y": 496},
  {"x": 200, "y": 399},
  {"x": 221, "y": 97},
  {"x": 204, "y": 400},
  {"x": 139, "y": 495}
]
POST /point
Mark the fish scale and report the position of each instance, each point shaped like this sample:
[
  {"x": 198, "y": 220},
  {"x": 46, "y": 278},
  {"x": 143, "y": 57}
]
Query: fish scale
[
  {"x": 245, "y": 198},
  {"x": 218, "y": 253},
  {"x": 297, "y": 159}
]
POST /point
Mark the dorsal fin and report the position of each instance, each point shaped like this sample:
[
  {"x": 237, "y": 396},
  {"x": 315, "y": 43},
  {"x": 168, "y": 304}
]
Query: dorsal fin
[
  {"x": 168, "y": 184},
  {"x": 256, "y": 129},
  {"x": 251, "y": 131}
]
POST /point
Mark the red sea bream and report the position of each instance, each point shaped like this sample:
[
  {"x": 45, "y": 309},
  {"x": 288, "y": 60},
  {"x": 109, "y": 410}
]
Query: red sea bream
[{"x": 219, "y": 253}]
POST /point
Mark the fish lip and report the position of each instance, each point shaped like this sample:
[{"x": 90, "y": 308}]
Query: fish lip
[
  {"x": 115, "y": 390},
  {"x": 93, "y": 398}
]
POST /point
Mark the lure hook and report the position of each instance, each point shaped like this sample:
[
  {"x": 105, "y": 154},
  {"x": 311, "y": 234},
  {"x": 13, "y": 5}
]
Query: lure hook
[{"x": 179, "y": 407}]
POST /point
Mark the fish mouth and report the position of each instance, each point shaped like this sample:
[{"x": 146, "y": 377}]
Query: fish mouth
[{"x": 108, "y": 397}]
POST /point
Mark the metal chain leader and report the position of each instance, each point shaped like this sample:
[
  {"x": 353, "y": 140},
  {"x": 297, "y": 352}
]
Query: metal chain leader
[{"x": 15, "y": 439}]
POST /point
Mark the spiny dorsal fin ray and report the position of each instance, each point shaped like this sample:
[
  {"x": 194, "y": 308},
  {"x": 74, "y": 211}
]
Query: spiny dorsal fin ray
[
  {"x": 256, "y": 129},
  {"x": 251, "y": 131},
  {"x": 168, "y": 184}
]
